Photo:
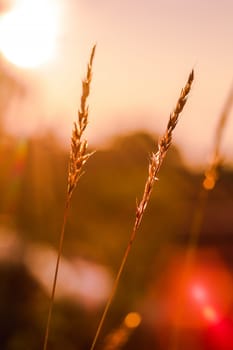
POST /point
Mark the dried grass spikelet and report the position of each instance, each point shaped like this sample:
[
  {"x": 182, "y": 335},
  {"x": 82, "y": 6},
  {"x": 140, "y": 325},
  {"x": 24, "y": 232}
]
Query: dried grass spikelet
[
  {"x": 155, "y": 163},
  {"x": 211, "y": 176},
  {"x": 78, "y": 152},
  {"x": 164, "y": 143},
  {"x": 211, "y": 173},
  {"x": 78, "y": 157}
]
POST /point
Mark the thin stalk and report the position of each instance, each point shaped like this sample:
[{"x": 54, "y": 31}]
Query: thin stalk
[
  {"x": 155, "y": 163},
  {"x": 78, "y": 158},
  {"x": 51, "y": 303},
  {"x": 189, "y": 257},
  {"x": 210, "y": 178}
]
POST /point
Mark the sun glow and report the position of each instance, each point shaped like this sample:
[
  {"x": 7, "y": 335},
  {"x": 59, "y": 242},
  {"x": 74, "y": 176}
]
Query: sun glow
[{"x": 28, "y": 32}]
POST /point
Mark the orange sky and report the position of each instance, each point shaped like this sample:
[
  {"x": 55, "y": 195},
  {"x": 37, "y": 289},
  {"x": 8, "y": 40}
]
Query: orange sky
[{"x": 145, "y": 51}]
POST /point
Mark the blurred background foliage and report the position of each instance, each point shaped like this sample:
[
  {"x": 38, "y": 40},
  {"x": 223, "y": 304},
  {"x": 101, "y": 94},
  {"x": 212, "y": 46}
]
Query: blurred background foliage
[
  {"x": 101, "y": 217},
  {"x": 33, "y": 180}
]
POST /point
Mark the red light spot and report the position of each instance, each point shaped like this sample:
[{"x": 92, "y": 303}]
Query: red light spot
[
  {"x": 198, "y": 293},
  {"x": 210, "y": 314}
]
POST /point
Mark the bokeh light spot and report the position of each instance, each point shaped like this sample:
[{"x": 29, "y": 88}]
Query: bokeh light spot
[
  {"x": 209, "y": 183},
  {"x": 210, "y": 314},
  {"x": 199, "y": 293},
  {"x": 132, "y": 320}
]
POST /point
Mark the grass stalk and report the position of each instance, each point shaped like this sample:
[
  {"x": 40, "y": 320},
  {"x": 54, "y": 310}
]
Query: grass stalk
[
  {"x": 78, "y": 158},
  {"x": 155, "y": 163},
  {"x": 210, "y": 178}
]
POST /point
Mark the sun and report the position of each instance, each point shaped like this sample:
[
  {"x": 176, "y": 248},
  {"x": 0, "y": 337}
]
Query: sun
[{"x": 29, "y": 31}]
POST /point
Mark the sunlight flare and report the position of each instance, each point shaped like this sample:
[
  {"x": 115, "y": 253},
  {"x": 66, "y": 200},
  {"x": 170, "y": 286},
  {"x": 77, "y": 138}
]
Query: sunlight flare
[{"x": 28, "y": 32}]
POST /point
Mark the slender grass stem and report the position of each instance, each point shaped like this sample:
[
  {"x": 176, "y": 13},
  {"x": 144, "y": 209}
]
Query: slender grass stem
[
  {"x": 51, "y": 303},
  {"x": 208, "y": 184},
  {"x": 78, "y": 158},
  {"x": 189, "y": 258},
  {"x": 155, "y": 163},
  {"x": 114, "y": 288}
]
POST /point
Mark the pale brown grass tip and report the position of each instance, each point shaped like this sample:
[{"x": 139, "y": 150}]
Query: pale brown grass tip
[{"x": 78, "y": 153}]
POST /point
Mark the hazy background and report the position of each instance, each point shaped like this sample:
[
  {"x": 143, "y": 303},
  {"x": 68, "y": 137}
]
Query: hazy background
[{"x": 145, "y": 52}]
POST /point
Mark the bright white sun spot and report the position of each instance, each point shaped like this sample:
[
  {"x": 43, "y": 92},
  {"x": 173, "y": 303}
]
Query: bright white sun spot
[{"x": 28, "y": 32}]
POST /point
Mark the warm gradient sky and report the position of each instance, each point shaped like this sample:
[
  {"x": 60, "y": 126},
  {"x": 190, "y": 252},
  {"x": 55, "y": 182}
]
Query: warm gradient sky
[{"x": 145, "y": 51}]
